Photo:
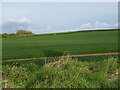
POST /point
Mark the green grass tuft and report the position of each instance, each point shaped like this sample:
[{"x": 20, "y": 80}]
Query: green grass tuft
[{"x": 64, "y": 73}]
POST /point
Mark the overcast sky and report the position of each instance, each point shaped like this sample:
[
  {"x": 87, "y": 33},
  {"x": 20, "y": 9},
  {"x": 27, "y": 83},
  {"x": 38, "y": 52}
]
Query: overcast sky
[{"x": 49, "y": 17}]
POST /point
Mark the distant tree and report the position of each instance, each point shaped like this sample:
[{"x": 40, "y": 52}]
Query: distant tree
[
  {"x": 23, "y": 32},
  {"x": 12, "y": 34},
  {"x": 4, "y": 35}
]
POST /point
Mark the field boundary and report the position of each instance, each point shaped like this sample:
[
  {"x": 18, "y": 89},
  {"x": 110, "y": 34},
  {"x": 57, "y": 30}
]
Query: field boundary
[
  {"x": 57, "y": 33},
  {"x": 96, "y": 54}
]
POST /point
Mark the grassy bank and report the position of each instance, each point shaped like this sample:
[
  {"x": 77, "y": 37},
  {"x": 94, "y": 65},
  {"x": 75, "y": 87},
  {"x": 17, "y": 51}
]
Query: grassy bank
[{"x": 62, "y": 73}]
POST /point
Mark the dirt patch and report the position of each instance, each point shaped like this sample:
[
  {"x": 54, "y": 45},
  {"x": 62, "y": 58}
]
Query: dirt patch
[{"x": 96, "y": 54}]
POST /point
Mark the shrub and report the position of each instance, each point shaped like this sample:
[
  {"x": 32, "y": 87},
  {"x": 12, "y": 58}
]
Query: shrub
[{"x": 4, "y": 35}]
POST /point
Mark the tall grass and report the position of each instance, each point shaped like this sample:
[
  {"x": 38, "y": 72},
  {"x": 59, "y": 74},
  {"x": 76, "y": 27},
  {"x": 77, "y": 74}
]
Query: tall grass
[{"x": 63, "y": 73}]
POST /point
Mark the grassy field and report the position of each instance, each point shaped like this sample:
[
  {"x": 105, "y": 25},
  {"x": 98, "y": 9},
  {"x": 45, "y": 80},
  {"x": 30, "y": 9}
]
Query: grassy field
[
  {"x": 57, "y": 45},
  {"x": 62, "y": 73},
  {"x": 67, "y": 72}
]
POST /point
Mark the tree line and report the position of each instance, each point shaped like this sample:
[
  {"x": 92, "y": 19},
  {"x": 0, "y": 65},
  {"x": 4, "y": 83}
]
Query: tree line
[{"x": 18, "y": 33}]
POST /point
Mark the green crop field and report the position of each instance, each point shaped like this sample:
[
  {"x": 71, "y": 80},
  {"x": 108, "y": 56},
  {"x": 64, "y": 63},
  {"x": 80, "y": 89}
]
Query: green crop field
[{"x": 57, "y": 45}]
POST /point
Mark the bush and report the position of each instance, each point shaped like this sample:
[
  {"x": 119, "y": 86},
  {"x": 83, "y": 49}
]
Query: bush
[
  {"x": 4, "y": 35},
  {"x": 23, "y": 32}
]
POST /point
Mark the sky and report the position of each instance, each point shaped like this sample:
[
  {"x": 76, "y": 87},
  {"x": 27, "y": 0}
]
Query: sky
[
  {"x": 49, "y": 17},
  {"x": 60, "y": 0}
]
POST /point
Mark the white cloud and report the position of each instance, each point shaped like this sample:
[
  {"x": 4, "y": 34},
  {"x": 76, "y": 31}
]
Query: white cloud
[
  {"x": 12, "y": 25},
  {"x": 96, "y": 25},
  {"x": 25, "y": 20},
  {"x": 48, "y": 29},
  {"x": 88, "y": 25},
  {"x": 100, "y": 25},
  {"x": 116, "y": 25}
]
